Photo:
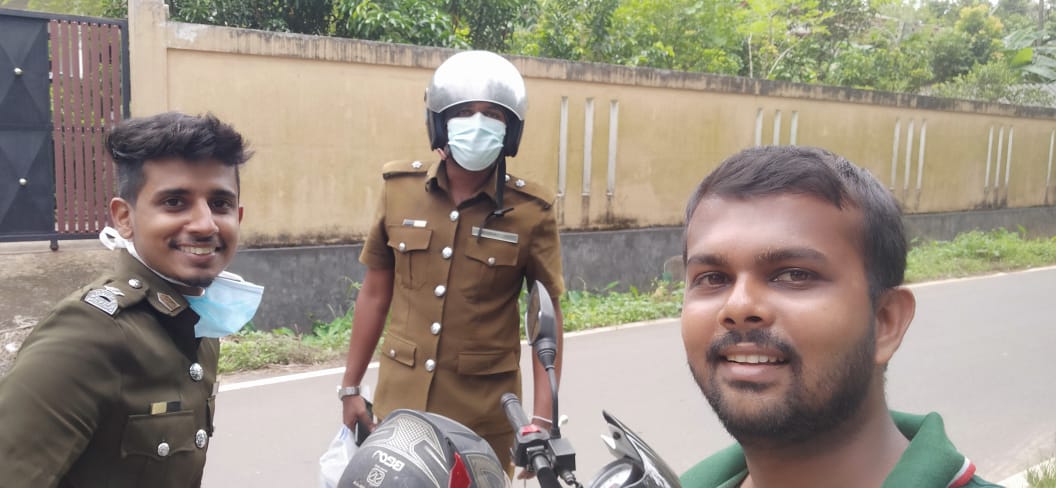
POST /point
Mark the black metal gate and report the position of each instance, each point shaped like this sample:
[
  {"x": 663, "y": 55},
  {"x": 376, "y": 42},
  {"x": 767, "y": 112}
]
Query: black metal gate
[
  {"x": 63, "y": 84},
  {"x": 27, "y": 187}
]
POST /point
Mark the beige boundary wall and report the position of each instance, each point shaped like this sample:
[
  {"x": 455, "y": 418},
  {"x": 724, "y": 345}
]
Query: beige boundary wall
[{"x": 623, "y": 147}]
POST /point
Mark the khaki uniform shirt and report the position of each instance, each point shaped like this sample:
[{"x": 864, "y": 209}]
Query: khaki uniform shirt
[
  {"x": 452, "y": 345},
  {"x": 111, "y": 389}
]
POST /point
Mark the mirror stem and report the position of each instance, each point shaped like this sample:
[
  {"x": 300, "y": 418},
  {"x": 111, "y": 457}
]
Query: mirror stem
[{"x": 555, "y": 429}]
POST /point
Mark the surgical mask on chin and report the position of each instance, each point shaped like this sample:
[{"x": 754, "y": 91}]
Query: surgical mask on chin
[
  {"x": 475, "y": 141},
  {"x": 226, "y": 306}
]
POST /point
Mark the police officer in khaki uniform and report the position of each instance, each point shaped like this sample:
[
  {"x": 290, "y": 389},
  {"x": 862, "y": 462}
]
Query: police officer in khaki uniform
[
  {"x": 450, "y": 248},
  {"x": 116, "y": 386}
]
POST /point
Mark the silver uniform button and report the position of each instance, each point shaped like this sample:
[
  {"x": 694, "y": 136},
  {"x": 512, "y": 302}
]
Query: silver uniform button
[
  {"x": 200, "y": 438},
  {"x": 519, "y": 183},
  {"x": 416, "y": 165},
  {"x": 447, "y": 252},
  {"x": 439, "y": 290},
  {"x": 134, "y": 283},
  {"x": 430, "y": 365},
  {"x": 435, "y": 328},
  {"x": 196, "y": 371},
  {"x": 163, "y": 449},
  {"x": 392, "y": 353},
  {"x": 402, "y": 247},
  {"x": 454, "y": 215},
  {"x": 491, "y": 261}
]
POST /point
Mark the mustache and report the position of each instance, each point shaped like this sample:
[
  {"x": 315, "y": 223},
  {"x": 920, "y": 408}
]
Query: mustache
[{"x": 763, "y": 338}]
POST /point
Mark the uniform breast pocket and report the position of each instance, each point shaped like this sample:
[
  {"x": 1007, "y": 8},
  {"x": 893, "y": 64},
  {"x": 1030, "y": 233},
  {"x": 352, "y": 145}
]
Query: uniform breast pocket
[
  {"x": 494, "y": 264},
  {"x": 163, "y": 446},
  {"x": 410, "y": 245}
]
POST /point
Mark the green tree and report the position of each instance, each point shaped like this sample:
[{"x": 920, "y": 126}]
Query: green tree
[
  {"x": 686, "y": 35},
  {"x": 576, "y": 30},
  {"x": 489, "y": 24},
  {"x": 773, "y": 30},
  {"x": 420, "y": 22},
  {"x": 302, "y": 16},
  {"x": 91, "y": 8}
]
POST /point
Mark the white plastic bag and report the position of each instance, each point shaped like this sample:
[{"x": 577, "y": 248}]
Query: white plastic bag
[{"x": 332, "y": 463}]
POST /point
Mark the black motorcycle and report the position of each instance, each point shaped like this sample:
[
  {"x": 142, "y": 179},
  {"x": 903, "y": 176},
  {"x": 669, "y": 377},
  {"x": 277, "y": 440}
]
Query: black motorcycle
[{"x": 417, "y": 449}]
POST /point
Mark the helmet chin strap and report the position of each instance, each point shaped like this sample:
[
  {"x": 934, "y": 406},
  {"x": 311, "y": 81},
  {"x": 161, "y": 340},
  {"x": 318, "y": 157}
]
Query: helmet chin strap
[
  {"x": 500, "y": 189},
  {"x": 500, "y": 186}
]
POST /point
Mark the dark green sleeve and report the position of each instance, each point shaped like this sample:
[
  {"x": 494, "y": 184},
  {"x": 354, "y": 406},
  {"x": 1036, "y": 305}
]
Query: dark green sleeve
[{"x": 65, "y": 376}]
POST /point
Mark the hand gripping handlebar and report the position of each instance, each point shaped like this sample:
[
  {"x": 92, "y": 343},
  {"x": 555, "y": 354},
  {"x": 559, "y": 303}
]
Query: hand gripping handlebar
[{"x": 531, "y": 449}]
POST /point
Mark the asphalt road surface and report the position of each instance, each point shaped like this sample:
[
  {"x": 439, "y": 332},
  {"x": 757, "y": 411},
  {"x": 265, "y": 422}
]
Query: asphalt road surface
[{"x": 979, "y": 352}]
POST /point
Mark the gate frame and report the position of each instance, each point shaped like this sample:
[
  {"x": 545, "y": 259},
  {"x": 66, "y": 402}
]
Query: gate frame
[{"x": 126, "y": 96}]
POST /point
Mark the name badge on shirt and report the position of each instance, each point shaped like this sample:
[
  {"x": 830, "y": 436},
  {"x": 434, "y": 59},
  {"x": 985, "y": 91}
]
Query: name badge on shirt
[
  {"x": 158, "y": 408},
  {"x": 420, "y": 224},
  {"x": 498, "y": 235}
]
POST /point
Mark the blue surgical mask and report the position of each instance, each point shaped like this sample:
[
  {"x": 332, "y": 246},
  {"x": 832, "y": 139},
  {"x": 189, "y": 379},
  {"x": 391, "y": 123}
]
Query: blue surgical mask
[
  {"x": 475, "y": 141},
  {"x": 226, "y": 306}
]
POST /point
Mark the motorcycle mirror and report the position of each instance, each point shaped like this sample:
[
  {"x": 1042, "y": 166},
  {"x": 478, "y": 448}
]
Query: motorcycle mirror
[
  {"x": 531, "y": 315},
  {"x": 540, "y": 325}
]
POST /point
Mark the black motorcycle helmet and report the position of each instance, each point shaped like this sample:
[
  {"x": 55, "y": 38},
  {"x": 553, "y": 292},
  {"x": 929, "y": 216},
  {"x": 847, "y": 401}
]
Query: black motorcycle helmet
[{"x": 412, "y": 449}]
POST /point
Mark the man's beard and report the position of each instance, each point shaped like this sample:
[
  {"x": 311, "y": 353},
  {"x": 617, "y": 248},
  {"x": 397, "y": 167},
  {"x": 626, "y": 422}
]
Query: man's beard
[{"x": 802, "y": 414}]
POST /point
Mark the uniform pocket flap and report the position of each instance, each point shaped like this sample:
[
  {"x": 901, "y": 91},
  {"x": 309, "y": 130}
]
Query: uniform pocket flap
[
  {"x": 159, "y": 436},
  {"x": 485, "y": 363},
  {"x": 400, "y": 350},
  {"x": 406, "y": 239},
  {"x": 492, "y": 253}
]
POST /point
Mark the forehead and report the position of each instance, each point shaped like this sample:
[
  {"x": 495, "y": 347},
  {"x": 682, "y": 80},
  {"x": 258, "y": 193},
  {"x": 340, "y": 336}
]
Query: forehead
[
  {"x": 178, "y": 173},
  {"x": 722, "y": 225}
]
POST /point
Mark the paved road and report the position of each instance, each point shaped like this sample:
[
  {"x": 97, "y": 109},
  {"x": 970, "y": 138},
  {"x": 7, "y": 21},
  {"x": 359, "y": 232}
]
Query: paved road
[{"x": 979, "y": 352}]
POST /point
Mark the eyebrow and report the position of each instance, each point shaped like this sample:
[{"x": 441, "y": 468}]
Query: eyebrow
[
  {"x": 179, "y": 192},
  {"x": 708, "y": 260},
  {"x": 790, "y": 253},
  {"x": 769, "y": 256}
]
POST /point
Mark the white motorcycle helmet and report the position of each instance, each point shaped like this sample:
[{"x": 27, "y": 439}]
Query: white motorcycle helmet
[{"x": 476, "y": 76}]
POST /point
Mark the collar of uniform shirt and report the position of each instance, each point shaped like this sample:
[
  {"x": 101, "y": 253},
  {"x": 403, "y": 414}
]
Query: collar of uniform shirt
[{"x": 436, "y": 177}]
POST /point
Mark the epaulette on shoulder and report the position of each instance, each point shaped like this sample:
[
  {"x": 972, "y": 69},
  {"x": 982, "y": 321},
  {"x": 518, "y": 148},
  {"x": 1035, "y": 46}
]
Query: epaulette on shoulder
[
  {"x": 112, "y": 296},
  {"x": 543, "y": 194},
  {"x": 403, "y": 167}
]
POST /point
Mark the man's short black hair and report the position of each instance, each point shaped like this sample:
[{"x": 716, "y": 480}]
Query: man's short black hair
[
  {"x": 775, "y": 170},
  {"x": 170, "y": 135}
]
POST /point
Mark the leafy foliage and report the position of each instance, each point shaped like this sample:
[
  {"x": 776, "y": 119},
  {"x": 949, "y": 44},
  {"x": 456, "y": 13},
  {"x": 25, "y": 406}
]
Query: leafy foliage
[
  {"x": 978, "y": 252},
  {"x": 421, "y": 22},
  {"x": 1042, "y": 476},
  {"x": 962, "y": 48},
  {"x": 584, "y": 309}
]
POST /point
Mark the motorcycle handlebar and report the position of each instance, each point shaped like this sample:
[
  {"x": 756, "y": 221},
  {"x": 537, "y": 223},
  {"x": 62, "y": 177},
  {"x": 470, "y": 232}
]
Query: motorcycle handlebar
[
  {"x": 536, "y": 449},
  {"x": 514, "y": 412}
]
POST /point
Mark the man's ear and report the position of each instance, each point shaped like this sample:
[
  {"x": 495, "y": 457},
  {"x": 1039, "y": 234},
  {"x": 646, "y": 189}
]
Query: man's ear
[
  {"x": 241, "y": 209},
  {"x": 894, "y": 312},
  {"x": 121, "y": 216}
]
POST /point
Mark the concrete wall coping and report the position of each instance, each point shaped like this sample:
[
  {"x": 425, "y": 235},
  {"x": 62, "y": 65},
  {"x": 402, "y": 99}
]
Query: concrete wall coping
[{"x": 219, "y": 39}]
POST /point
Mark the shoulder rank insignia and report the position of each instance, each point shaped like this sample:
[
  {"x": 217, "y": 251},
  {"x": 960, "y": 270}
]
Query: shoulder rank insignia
[
  {"x": 168, "y": 302},
  {"x": 104, "y": 299}
]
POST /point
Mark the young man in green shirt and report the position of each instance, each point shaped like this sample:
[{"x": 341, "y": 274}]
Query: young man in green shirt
[{"x": 793, "y": 307}]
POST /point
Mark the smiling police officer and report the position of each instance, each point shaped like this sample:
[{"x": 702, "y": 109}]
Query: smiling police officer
[
  {"x": 450, "y": 248},
  {"x": 116, "y": 386}
]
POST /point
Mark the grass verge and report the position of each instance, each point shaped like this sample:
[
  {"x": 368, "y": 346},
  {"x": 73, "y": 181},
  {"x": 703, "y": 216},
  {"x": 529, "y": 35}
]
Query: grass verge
[
  {"x": 1042, "y": 476},
  {"x": 969, "y": 254}
]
